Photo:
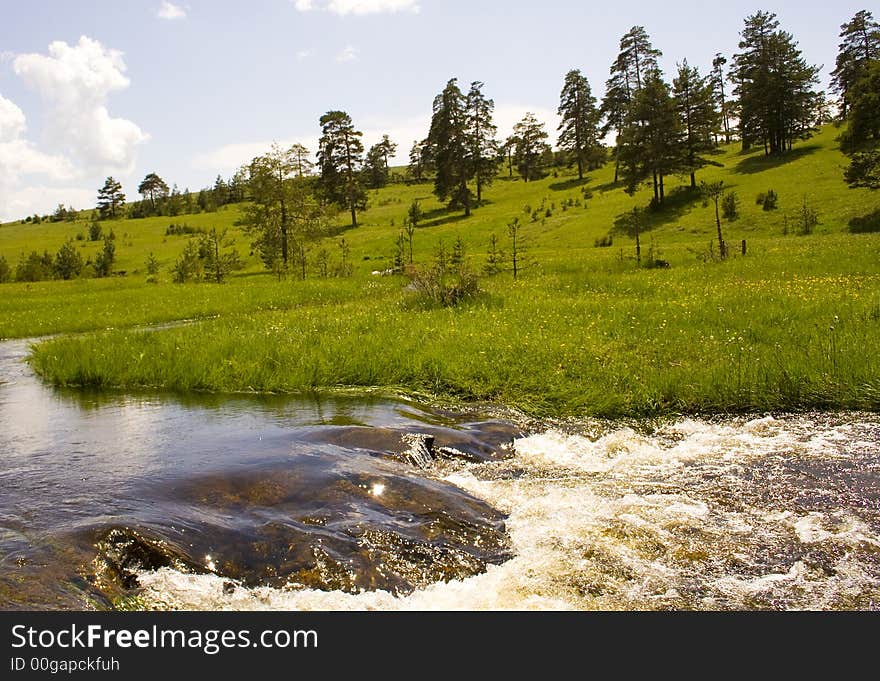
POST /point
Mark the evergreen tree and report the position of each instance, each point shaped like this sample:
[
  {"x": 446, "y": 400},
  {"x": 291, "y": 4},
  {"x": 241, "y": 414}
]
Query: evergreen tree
[
  {"x": 418, "y": 160},
  {"x": 448, "y": 141},
  {"x": 860, "y": 46},
  {"x": 861, "y": 139},
  {"x": 481, "y": 131},
  {"x": 700, "y": 120},
  {"x": 775, "y": 86},
  {"x": 340, "y": 159},
  {"x": 530, "y": 147},
  {"x": 303, "y": 166},
  {"x": 151, "y": 188},
  {"x": 388, "y": 148},
  {"x": 106, "y": 258},
  {"x": 651, "y": 142},
  {"x": 579, "y": 129},
  {"x": 221, "y": 192},
  {"x": 718, "y": 64},
  {"x": 68, "y": 262},
  {"x": 637, "y": 57},
  {"x": 375, "y": 170},
  {"x": 110, "y": 198}
]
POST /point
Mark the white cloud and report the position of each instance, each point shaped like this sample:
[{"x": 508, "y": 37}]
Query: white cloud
[
  {"x": 42, "y": 200},
  {"x": 75, "y": 82},
  {"x": 350, "y": 53},
  {"x": 357, "y": 7},
  {"x": 170, "y": 11},
  {"x": 12, "y": 121},
  {"x": 305, "y": 54},
  {"x": 20, "y": 160}
]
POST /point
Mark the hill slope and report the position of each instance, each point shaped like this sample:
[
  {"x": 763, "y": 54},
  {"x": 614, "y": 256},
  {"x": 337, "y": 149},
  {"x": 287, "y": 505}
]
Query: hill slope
[{"x": 583, "y": 331}]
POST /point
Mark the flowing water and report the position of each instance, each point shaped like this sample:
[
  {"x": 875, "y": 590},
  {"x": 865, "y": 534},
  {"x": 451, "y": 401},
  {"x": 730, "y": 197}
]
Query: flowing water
[{"x": 121, "y": 500}]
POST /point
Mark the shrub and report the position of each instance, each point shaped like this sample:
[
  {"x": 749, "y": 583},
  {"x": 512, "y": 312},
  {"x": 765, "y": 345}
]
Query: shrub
[
  {"x": 5, "y": 270},
  {"x": 730, "y": 206},
  {"x": 35, "y": 267},
  {"x": 95, "y": 231},
  {"x": 189, "y": 265},
  {"x": 68, "y": 261},
  {"x": 604, "y": 242},
  {"x": 807, "y": 218},
  {"x": 771, "y": 200},
  {"x": 443, "y": 284},
  {"x": 106, "y": 258}
]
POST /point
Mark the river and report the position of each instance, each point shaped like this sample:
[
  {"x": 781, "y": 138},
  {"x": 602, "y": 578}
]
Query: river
[{"x": 206, "y": 502}]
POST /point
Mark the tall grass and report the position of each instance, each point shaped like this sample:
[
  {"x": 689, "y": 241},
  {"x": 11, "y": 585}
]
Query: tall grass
[{"x": 738, "y": 336}]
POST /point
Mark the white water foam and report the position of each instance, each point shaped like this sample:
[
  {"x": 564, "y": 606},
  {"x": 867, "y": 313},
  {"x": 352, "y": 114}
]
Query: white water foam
[{"x": 696, "y": 515}]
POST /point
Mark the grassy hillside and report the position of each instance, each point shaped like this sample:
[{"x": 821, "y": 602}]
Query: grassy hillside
[{"x": 584, "y": 330}]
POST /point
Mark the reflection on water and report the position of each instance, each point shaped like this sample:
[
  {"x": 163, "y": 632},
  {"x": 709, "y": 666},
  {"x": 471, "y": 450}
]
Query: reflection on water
[{"x": 238, "y": 502}]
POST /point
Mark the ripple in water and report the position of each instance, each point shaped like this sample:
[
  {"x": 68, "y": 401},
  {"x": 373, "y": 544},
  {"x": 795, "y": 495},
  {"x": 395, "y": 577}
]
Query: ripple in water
[{"x": 770, "y": 513}]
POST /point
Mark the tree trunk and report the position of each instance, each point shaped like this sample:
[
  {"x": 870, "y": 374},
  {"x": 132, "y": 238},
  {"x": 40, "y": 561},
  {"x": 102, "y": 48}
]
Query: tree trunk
[
  {"x": 722, "y": 248},
  {"x": 284, "y": 252},
  {"x": 662, "y": 190},
  {"x": 638, "y": 245},
  {"x": 693, "y": 180}
]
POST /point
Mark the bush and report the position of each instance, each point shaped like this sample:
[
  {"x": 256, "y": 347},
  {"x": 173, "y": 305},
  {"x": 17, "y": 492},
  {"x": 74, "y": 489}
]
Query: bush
[
  {"x": 189, "y": 266},
  {"x": 434, "y": 288},
  {"x": 443, "y": 284},
  {"x": 771, "y": 200},
  {"x": 604, "y": 242},
  {"x": 152, "y": 266},
  {"x": 95, "y": 231},
  {"x": 68, "y": 261},
  {"x": 5, "y": 271},
  {"x": 807, "y": 218},
  {"x": 34, "y": 267},
  {"x": 206, "y": 259},
  {"x": 730, "y": 206},
  {"x": 106, "y": 258},
  {"x": 183, "y": 230}
]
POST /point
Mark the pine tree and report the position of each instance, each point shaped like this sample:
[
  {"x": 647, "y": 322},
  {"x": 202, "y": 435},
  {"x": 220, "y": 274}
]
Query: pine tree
[
  {"x": 579, "y": 129},
  {"x": 418, "y": 160},
  {"x": 651, "y": 142},
  {"x": 340, "y": 160},
  {"x": 449, "y": 146},
  {"x": 637, "y": 57},
  {"x": 375, "y": 170},
  {"x": 110, "y": 198},
  {"x": 860, "y": 46},
  {"x": 151, "y": 188},
  {"x": 700, "y": 120},
  {"x": 775, "y": 86},
  {"x": 718, "y": 64},
  {"x": 481, "y": 131},
  {"x": 530, "y": 147},
  {"x": 300, "y": 157},
  {"x": 388, "y": 148},
  {"x": 861, "y": 139}
]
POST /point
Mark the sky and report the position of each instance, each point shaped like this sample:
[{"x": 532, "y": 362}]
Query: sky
[{"x": 195, "y": 88}]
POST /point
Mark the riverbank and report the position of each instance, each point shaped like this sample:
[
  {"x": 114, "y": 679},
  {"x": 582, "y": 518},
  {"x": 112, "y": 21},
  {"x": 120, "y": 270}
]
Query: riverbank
[{"x": 784, "y": 329}]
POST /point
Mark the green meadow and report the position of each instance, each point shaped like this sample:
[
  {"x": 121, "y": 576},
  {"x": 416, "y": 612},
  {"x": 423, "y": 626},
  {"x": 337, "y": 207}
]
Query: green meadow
[{"x": 791, "y": 325}]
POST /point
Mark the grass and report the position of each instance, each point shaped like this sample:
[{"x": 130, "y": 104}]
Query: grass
[{"x": 583, "y": 332}]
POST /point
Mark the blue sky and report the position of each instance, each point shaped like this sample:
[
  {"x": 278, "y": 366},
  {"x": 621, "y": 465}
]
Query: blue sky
[{"x": 194, "y": 88}]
